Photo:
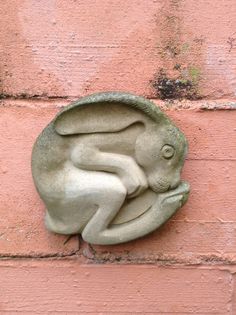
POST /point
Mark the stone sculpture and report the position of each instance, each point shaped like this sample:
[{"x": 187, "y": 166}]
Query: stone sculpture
[{"x": 108, "y": 166}]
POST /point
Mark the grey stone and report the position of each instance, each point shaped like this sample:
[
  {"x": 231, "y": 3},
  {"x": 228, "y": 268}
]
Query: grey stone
[{"x": 108, "y": 166}]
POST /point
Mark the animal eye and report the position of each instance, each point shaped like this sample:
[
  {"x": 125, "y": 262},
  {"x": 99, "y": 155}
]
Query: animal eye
[{"x": 167, "y": 151}]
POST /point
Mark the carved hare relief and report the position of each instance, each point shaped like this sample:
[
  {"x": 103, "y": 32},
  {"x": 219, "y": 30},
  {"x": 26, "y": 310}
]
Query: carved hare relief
[{"x": 108, "y": 166}]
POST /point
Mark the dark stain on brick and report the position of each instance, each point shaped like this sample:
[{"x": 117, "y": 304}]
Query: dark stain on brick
[{"x": 174, "y": 88}]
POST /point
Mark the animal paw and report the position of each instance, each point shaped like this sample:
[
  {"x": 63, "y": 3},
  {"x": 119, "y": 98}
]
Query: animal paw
[
  {"x": 172, "y": 200},
  {"x": 134, "y": 179}
]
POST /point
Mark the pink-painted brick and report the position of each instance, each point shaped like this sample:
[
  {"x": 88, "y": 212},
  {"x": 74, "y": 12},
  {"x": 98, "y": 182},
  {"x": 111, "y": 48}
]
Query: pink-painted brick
[
  {"x": 211, "y": 134},
  {"x": 69, "y": 288},
  {"x": 77, "y": 47}
]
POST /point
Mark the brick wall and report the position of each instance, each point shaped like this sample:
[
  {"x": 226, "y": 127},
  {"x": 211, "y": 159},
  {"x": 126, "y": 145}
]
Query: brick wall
[{"x": 55, "y": 51}]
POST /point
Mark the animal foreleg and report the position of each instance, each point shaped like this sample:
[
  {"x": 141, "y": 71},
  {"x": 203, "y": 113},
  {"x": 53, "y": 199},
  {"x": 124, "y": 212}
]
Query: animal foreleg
[{"x": 131, "y": 175}]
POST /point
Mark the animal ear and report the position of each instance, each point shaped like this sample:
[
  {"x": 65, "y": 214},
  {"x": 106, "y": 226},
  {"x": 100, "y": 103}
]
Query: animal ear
[
  {"x": 101, "y": 117},
  {"x": 104, "y": 112}
]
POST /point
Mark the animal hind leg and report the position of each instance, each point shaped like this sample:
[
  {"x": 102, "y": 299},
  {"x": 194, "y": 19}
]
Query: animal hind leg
[{"x": 163, "y": 208}]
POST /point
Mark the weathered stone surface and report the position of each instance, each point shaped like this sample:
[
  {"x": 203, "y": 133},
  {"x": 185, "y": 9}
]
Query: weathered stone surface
[{"x": 98, "y": 157}]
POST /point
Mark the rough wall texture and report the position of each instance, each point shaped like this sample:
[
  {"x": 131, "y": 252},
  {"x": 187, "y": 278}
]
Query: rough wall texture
[{"x": 181, "y": 54}]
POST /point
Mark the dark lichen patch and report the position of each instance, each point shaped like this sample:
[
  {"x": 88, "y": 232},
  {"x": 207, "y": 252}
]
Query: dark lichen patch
[
  {"x": 176, "y": 88},
  {"x": 179, "y": 54}
]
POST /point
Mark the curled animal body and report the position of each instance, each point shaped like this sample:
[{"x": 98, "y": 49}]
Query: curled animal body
[{"x": 108, "y": 167}]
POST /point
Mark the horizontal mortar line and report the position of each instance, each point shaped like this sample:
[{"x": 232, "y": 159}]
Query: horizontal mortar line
[
  {"x": 41, "y": 101},
  {"x": 169, "y": 102},
  {"x": 40, "y": 256},
  {"x": 178, "y": 266},
  {"x": 201, "y": 260}
]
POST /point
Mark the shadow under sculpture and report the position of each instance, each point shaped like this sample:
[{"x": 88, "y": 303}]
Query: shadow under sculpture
[{"x": 108, "y": 166}]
